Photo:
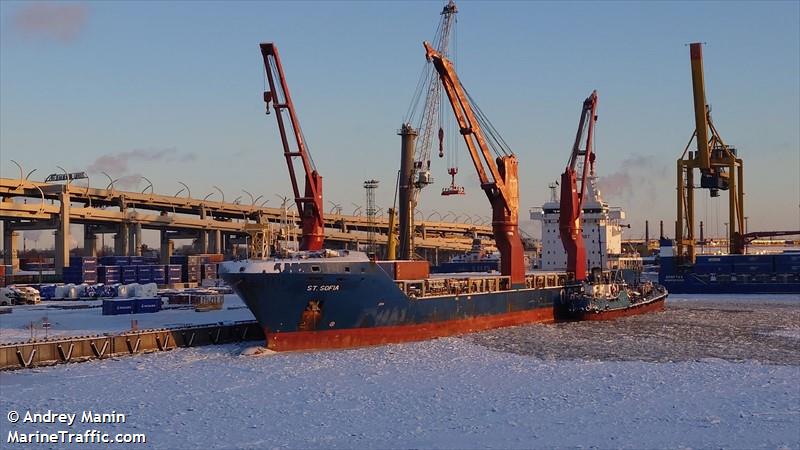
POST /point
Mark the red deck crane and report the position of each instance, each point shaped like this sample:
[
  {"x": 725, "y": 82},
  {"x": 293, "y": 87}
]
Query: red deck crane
[
  {"x": 309, "y": 205},
  {"x": 571, "y": 208},
  {"x": 500, "y": 183}
]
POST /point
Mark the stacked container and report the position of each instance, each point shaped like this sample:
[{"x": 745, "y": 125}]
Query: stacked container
[
  {"x": 144, "y": 274},
  {"x": 209, "y": 272},
  {"x": 81, "y": 269},
  {"x": 108, "y": 274},
  {"x": 173, "y": 273},
  {"x": 128, "y": 274},
  {"x": 159, "y": 274}
]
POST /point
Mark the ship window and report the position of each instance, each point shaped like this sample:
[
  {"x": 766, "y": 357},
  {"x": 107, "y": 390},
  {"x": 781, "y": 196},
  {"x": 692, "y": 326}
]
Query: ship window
[
  {"x": 315, "y": 268},
  {"x": 347, "y": 269}
]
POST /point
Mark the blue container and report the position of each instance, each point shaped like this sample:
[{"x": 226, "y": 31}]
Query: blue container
[
  {"x": 128, "y": 275},
  {"x": 178, "y": 259},
  {"x": 113, "y": 307},
  {"x": 147, "y": 305},
  {"x": 136, "y": 260},
  {"x": 159, "y": 275},
  {"x": 108, "y": 274},
  {"x": 47, "y": 291},
  {"x": 114, "y": 260},
  {"x": 172, "y": 273},
  {"x": 144, "y": 274}
]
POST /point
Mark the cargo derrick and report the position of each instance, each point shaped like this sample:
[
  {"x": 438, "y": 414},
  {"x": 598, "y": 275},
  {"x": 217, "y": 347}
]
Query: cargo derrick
[
  {"x": 415, "y": 160},
  {"x": 720, "y": 169},
  {"x": 502, "y": 188},
  {"x": 309, "y": 205},
  {"x": 571, "y": 207}
]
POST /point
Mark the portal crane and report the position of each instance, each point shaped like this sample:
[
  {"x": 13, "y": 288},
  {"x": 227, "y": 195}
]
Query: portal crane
[
  {"x": 498, "y": 177},
  {"x": 309, "y": 205},
  {"x": 720, "y": 169},
  {"x": 571, "y": 208}
]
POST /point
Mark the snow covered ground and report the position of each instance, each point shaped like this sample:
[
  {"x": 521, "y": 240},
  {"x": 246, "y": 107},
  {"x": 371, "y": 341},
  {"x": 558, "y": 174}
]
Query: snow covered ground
[
  {"x": 497, "y": 389},
  {"x": 447, "y": 393},
  {"x": 14, "y": 327}
]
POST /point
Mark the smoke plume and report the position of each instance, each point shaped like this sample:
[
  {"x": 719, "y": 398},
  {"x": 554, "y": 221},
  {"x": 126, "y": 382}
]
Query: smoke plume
[
  {"x": 54, "y": 22},
  {"x": 121, "y": 165}
]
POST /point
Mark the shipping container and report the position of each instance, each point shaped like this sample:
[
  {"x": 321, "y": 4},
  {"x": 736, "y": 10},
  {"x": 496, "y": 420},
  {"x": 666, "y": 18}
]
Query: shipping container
[
  {"x": 109, "y": 274},
  {"x": 210, "y": 258},
  {"x": 147, "y": 305},
  {"x": 191, "y": 273},
  {"x": 144, "y": 274},
  {"x": 116, "y": 306},
  {"x": 128, "y": 274},
  {"x": 209, "y": 272},
  {"x": 114, "y": 260},
  {"x": 159, "y": 274}
]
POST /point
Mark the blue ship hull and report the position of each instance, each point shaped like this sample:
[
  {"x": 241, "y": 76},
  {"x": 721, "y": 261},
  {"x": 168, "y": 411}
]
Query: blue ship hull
[
  {"x": 300, "y": 309},
  {"x": 731, "y": 274}
]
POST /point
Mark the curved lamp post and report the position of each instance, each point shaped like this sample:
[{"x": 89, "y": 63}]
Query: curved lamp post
[{"x": 149, "y": 184}]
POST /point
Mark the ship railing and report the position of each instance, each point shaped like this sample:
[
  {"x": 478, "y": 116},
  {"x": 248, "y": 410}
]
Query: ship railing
[{"x": 439, "y": 287}]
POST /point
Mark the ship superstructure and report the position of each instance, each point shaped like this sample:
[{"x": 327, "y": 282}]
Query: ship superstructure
[{"x": 602, "y": 232}]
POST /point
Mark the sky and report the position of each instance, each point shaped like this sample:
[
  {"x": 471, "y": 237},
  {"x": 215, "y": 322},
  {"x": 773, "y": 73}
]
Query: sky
[{"x": 173, "y": 91}]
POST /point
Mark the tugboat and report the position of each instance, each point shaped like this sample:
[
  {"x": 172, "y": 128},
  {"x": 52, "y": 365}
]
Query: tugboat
[
  {"x": 606, "y": 296},
  {"x": 600, "y": 295}
]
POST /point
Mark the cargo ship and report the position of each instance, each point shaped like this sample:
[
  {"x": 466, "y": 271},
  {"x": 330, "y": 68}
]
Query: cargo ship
[
  {"x": 338, "y": 299},
  {"x": 771, "y": 273}
]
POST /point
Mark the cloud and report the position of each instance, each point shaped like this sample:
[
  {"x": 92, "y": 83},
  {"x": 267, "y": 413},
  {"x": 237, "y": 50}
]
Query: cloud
[
  {"x": 120, "y": 165},
  {"x": 54, "y": 22}
]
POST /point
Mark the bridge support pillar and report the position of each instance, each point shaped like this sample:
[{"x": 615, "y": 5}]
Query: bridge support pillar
[
  {"x": 135, "y": 239},
  {"x": 202, "y": 242},
  {"x": 11, "y": 246},
  {"x": 121, "y": 240},
  {"x": 89, "y": 241},
  {"x": 166, "y": 247},
  {"x": 62, "y": 240},
  {"x": 216, "y": 241}
]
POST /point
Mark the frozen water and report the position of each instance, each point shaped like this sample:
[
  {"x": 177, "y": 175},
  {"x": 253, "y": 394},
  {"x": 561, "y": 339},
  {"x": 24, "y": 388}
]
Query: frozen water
[{"x": 524, "y": 387}]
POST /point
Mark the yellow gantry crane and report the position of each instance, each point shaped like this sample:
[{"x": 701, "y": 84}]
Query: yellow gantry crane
[{"x": 720, "y": 170}]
